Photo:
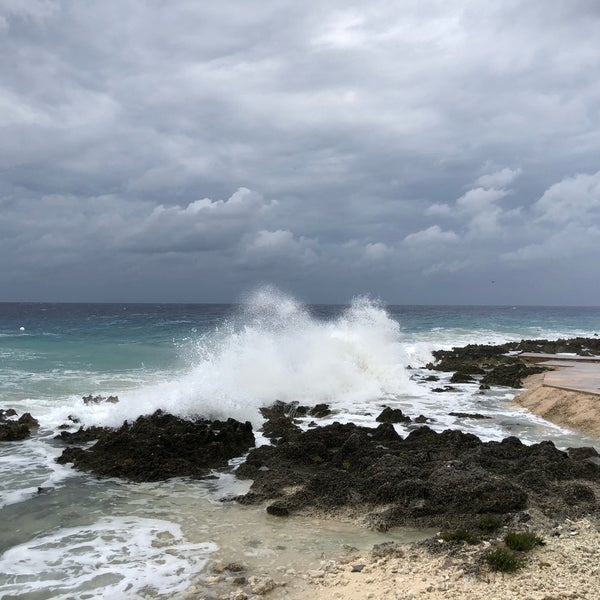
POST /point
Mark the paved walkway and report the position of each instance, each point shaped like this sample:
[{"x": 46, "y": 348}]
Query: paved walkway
[{"x": 576, "y": 373}]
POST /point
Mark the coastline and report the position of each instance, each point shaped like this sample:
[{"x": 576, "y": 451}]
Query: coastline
[
  {"x": 576, "y": 410},
  {"x": 566, "y": 566}
]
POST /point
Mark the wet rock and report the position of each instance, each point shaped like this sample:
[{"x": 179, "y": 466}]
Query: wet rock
[
  {"x": 161, "y": 446},
  {"x": 579, "y": 345},
  {"x": 283, "y": 409},
  {"x": 461, "y": 377},
  {"x": 431, "y": 377},
  {"x": 279, "y": 429},
  {"x": 423, "y": 419},
  {"x": 28, "y": 420},
  {"x": 278, "y": 509},
  {"x": 100, "y": 399},
  {"x": 427, "y": 478},
  {"x": 511, "y": 375},
  {"x": 261, "y": 585},
  {"x": 463, "y": 415},
  {"x": 82, "y": 435},
  {"x": 472, "y": 359},
  {"x": 13, "y": 429},
  {"x": 392, "y": 415},
  {"x": 319, "y": 411},
  {"x": 446, "y": 388}
]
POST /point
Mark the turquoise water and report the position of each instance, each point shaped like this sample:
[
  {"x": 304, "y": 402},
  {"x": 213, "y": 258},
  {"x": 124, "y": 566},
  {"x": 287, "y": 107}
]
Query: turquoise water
[{"x": 215, "y": 360}]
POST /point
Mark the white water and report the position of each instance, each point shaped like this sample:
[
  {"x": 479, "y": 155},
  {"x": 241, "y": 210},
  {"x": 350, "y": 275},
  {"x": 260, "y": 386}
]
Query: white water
[
  {"x": 276, "y": 351},
  {"x": 122, "y": 557}
]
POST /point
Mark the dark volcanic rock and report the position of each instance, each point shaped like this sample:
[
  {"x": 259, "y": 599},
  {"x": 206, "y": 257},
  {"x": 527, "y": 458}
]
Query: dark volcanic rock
[
  {"x": 579, "y": 345},
  {"x": 583, "y": 453},
  {"x": 319, "y": 411},
  {"x": 100, "y": 399},
  {"x": 500, "y": 364},
  {"x": 83, "y": 435},
  {"x": 424, "y": 419},
  {"x": 280, "y": 428},
  {"x": 13, "y": 429},
  {"x": 463, "y": 415},
  {"x": 392, "y": 415},
  {"x": 461, "y": 377},
  {"x": 161, "y": 446},
  {"x": 426, "y": 478},
  {"x": 472, "y": 359},
  {"x": 511, "y": 375}
]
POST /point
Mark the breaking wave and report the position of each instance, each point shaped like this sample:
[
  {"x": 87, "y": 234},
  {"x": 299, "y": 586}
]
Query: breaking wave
[{"x": 276, "y": 350}]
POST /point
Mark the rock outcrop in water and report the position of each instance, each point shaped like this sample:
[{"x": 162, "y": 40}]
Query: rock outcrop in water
[
  {"x": 160, "y": 446},
  {"x": 14, "y": 428},
  {"x": 498, "y": 367},
  {"x": 428, "y": 478}
]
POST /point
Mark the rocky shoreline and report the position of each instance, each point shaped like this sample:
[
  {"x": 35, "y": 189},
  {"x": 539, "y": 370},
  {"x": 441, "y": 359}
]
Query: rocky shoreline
[{"x": 449, "y": 480}]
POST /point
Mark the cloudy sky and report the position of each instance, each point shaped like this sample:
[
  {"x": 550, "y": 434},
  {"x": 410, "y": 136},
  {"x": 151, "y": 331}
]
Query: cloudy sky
[{"x": 420, "y": 151}]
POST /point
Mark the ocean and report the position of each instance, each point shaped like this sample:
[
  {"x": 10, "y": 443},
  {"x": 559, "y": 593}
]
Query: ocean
[{"x": 88, "y": 538}]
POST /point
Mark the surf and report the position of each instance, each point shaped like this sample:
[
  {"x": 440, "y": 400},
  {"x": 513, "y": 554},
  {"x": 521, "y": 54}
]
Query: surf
[{"x": 272, "y": 349}]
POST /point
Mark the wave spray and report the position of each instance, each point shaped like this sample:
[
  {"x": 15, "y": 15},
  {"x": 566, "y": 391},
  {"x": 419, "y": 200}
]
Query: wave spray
[{"x": 274, "y": 349}]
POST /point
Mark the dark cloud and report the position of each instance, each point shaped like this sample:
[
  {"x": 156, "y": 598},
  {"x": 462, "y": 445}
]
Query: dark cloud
[{"x": 189, "y": 151}]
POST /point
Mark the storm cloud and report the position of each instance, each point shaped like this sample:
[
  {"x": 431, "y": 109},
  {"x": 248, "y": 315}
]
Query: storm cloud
[{"x": 418, "y": 151}]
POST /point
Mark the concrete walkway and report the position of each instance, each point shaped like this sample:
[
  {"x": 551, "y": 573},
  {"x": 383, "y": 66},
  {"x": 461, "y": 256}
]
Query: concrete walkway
[{"x": 575, "y": 373}]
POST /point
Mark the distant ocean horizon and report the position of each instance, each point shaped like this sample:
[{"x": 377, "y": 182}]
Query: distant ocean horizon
[{"x": 217, "y": 360}]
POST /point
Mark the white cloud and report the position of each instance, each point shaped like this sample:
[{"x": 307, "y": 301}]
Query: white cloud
[
  {"x": 574, "y": 199},
  {"x": 432, "y": 236},
  {"x": 201, "y": 225},
  {"x": 479, "y": 199},
  {"x": 438, "y": 210},
  {"x": 574, "y": 241},
  {"x": 499, "y": 179},
  {"x": 377, "y": 251}
]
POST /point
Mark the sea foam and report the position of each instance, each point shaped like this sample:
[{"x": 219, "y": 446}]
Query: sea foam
[
  {"x": 122, "y": 557},
  {"x": 274, "y": 349}
]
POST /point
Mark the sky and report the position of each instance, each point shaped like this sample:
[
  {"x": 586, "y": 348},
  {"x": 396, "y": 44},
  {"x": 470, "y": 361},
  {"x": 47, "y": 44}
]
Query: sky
[{"x": 417, "y": 151}]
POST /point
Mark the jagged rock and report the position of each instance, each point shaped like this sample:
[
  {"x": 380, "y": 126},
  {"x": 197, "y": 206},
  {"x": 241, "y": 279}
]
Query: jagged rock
[
  {"x": 461, "y": 377},
  {"x": 583, "y": 453},
  {"x": 511, "y": 375},
  {"x": 319, "y": 411},
  {"x": 423, "y": 419},
  {"x": 463, "y": 415},
  {"x": 100, "y": 399},
  {"x": 392, "y": 415},
  {"x": 14, "y": 429},
  {"x": 82, "y": 435},
  {"x": 280, "y": 429},
  {"x": 161, "y": 446},
  {"x": 426, "y": 479}
]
